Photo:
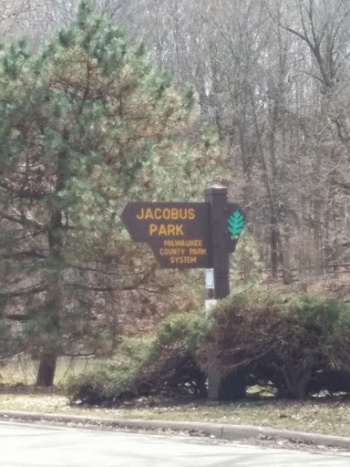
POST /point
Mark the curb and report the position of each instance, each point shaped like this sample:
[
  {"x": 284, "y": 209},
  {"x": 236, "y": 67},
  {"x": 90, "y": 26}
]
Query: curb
[{"x": 218, "y": 431}]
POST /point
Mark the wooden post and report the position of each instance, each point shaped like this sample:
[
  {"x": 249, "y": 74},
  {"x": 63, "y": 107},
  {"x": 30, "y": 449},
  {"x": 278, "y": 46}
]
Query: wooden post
[
  {"x": 232, "y": 386},
  {"x": 216, "y": 196}
]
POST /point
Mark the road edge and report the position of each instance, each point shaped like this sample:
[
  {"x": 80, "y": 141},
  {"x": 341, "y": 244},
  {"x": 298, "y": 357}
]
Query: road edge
[{"x": 215, "y": 430}]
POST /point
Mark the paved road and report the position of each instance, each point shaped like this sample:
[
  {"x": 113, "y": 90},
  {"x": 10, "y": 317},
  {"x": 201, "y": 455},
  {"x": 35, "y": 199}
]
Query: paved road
[{"x": 40, "y": 446}]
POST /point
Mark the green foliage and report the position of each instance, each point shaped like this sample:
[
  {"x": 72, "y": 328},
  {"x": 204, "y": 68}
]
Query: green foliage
[
  {"x": 85, "y": 125},
  {"x": 327, "y": 314},
  {"x": 162, "y": 364},
  {"x": 107, "y": 382},
  {"x": 188, "y": 328},
  {"x": 293, "y": 342},
  {"x": 296, "y": 343},
  {"x": 11, "y": 341}
]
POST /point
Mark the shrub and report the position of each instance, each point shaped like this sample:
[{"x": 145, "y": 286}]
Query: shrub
[
  {"x": 243, "y": 329},
  {"x": 109, "y": 381},
  {"x": 296, "y": 344},
  {"x": 291, "y": 342},
  {"x": 317, "y": 334},
  {"x": 164, "y": 364}
]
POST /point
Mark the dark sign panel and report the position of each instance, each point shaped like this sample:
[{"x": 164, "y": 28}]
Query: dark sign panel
[{"x": 178, "y": 233}]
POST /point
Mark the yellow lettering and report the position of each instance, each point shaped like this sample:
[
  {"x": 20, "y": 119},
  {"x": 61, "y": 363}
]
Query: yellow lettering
[
  {"x": 172, "y": 251},
  {"x": 198, "y": 251},
  {"x": 169, "y": 243},
  {"x": 167, "y": 230},
  {"x": 191, "y": 214},
  {"x": 149, "y": 214},
  {"x": 153, "y": 229},
  {"x": 141, "y": 215},
  {"x": 182, "y": 214},
  {"x": 158, "y": 213},
  {"x": 167, "y": 213},
  {"x": 179, "y": 229},
  {"x": 183, "y": 260},
  {"x": 171, "y": 229},
  {"x": 162, "y": 230},
  {"x": 183, "y": 243},
  {"x": 175, "y": 214}
]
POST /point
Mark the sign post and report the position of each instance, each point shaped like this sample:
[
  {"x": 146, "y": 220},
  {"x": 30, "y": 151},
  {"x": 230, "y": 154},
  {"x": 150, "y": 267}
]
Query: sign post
[
  {"x": 192, "y": 235},
  {"x": 216, "y": 197}
]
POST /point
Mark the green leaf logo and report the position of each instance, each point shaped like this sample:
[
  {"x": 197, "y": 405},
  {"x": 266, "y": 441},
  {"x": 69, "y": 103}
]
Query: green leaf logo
[{"x": 236, "y": 224}]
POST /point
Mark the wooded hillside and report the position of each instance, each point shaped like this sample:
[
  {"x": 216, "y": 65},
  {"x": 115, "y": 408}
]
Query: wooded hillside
[{"x": 270, "y": 119}]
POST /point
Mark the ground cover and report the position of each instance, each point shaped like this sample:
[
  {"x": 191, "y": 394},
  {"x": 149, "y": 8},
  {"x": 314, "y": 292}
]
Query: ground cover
[{"x": 327, "y": 416}]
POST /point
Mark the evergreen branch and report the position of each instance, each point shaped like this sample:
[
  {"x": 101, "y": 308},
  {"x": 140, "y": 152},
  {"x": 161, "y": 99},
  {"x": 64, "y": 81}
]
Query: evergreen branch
[
  {"x": 28, "y": 291},
  {"x": 15, "y": 220},
  {"x": 23, "y": 193},
  {"x": 19, "y": 254},
  {"x": 76, "y": 285},
  {"x": 91, "y": 269},
  {"x": 22, "y": 220},
  {"x": 128, "y": 287},
  {"x": 19, "y": 317},
  {"x": 11, "y": 354}
]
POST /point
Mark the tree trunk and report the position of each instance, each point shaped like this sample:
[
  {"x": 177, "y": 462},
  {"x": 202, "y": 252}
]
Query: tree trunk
[
  {"x": 53, "y": 304},
  {"x": 233, "y": 387},
  {"x": 274, "y": 234},
  {"x": 287, "y": 275},
  {"x": 54, "y": 294},
  {"x": 47, "y": 368}
]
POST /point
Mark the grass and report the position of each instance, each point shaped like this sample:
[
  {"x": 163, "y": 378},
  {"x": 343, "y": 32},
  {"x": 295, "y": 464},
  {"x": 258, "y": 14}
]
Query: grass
[
  {"x": 327, "y": 416},
  {"x": 22, "y": 369},
  {"x": 318, "y": 417}
]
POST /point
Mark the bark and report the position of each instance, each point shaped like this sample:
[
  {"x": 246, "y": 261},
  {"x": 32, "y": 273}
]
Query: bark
[
  {"x": 233, "y": 387},
  {"x": 54, "y": 296},
  {"x": 47, "y": 368}
]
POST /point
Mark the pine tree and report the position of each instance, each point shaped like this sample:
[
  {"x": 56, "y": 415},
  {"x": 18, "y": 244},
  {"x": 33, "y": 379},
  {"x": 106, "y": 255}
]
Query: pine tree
[{"x": 84, "y": 125}]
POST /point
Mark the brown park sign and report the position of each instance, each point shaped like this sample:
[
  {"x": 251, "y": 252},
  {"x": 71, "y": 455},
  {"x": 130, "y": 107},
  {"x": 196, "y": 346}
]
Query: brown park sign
[
  {"x": 192, "y": 235},
  {"x": 178, "y": 233}
]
